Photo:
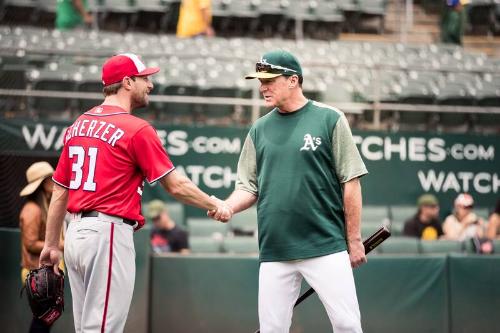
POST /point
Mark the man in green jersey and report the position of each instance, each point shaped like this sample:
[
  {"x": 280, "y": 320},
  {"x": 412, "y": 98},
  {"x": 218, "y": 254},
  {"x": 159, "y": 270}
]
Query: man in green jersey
[
  {"x": 302, "y": 167},
  {"x": 72, "y": 13}
]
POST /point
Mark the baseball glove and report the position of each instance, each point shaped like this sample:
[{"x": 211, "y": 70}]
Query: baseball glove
[{"x": 45, "y": 290}]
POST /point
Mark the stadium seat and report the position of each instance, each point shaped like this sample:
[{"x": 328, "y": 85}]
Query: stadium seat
[
  {"x": 116, "y": 13},
  {"x": 12, "y": 77},
  {"x": 204, "y": 245},
  {"x": 481, "y": 15},
  {"x": 176, "y": 212},
  {"x": 441, "y": 246},
  {"x": 496, "y": 245},
  {"x": 241, "y": 245},
  {"x": 373, "y": 9},
  {"x": 18, "y": 10},
  {"x": 244, "y": 222},
  {"x": 244, "y": 15},
  {"x": 347, "y": 5},
  {"x": 180, "y": 86},
  {"x": 88, "y": 81},
  {"x": 483, "y": 212},
  {"x": 272, "y": 16},
  {"x": 374, "y": 214},
  {"x": 368, "y": 229},
  {"x": 51, "y": 80},
  {"x": 400, "y": 213},
  {"x": 151, "y": 14},
  {"x": 205, "y": 227},
  {"x": 400, "y": 245}
]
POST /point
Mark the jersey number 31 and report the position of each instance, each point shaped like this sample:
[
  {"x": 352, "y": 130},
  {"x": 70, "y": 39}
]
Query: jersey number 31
[{"x": 77, "y": 167}]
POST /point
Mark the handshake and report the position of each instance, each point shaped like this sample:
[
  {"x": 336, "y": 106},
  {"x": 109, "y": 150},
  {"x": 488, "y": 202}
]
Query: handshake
[{"x": 222, "y": 213}]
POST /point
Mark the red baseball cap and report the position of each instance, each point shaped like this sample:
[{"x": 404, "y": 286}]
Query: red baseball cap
[{"x": 127, "y": 64}]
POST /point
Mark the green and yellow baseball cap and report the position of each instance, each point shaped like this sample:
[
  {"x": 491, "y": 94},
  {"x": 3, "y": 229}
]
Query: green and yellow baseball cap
[
  {"x": 276, "y": 63},
  {"x": 155, "y": 208},
  {"x": 427, "y": 200}
]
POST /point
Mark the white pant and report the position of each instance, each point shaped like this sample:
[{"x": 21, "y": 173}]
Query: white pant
[
  {"x": 101, "y": 284},
  {"x": 330, "y": 276}
]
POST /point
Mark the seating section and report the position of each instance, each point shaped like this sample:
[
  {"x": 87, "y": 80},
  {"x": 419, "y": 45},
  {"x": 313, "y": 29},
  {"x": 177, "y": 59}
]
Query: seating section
[
  {"x": 320, "y": 18},
  {"x": 241, "y": 245},
  {"x": 336, "y": 71},
  {"x": 205, "y": 227},
  {"x": 204, "y": 245},
  {"x": 176, "y": 212},
  {"x": 400, "y": 245},
  {"x": 441, "y": 246},
  {"x": 245, "y": 222}
]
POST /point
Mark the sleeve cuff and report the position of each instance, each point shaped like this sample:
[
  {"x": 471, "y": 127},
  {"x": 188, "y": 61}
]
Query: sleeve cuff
[
  {"x": 60, "y": 184},
  {"x": 163, "y": 175},
  {"x": 354, "y": 175}
]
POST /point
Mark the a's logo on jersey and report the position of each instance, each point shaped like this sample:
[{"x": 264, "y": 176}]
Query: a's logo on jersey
[
  {"x": 98, "y": 110},
  {"x": 311, "y": 142}
]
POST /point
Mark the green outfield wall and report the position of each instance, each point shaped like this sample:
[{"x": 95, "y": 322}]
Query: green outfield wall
[
  {"x": 402, "y": 165},
  {"x": 183, "y": 294}
]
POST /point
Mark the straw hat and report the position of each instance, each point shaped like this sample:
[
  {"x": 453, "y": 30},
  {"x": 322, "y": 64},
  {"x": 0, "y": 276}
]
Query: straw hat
[{"x": 35, "y": 175}]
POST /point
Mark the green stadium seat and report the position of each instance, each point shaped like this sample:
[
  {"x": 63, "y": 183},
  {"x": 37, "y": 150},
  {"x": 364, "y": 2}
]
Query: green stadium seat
[
  {"x": 12, "y": 77},
  {"x": 18, "y": 10},
  {"x": 441, "y": 246},
  {"x": 116, "y": 13},
  {"x": 151, "y": 14},
  {"x": 374, "y": 214},
  {"x": 347, "y": 5},
  {"x": 483, "y": 212},
  {"x": 176, "y": 212},
  {"x": 245, "y": 221},
  {"x": 368, "y": 229},
  {"x": 243, "y": 16},
  {"x": 373, "y": 9},
  {"x": 241, "y": 245},
  {"x": 90, "y": 82},
  {"x": 50, "y": 80},
  {"x": 496, "y": 246},
  {"x": 401, "y": 213},
  {"x": 400, "y": 245},
  {"x": 205, "y": 227},
  {"x": 204, "y": 245}
]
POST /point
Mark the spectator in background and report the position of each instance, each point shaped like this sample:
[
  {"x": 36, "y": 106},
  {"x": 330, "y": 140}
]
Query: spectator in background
[
  {"x": 425, "y": 223},
  {"x": 195, "y": 19},
  {"x": 32, "y": 222},
  {"x": 463, "y": 223},
  {"x": 453, "y": 22},
  {"x": 166, "y": 235},
  {"x": 71, "y": 14},
  {"x": 493, "y": 231}
]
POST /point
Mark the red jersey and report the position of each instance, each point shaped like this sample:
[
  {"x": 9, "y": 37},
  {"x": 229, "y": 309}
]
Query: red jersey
[{"x": 107, "y": 155}]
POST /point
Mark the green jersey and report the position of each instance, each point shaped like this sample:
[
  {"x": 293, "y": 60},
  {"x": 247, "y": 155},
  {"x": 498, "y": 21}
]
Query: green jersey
[
  {"x": 295, "y": 163},
  {"x": 67, "y": 16}
]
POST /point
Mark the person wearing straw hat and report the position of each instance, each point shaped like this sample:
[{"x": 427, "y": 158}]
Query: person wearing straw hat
[{"x": 32, "y": 222}]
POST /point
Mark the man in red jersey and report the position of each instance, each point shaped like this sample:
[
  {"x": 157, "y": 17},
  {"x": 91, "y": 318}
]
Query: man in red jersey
[{"x": 107, "y": 154}]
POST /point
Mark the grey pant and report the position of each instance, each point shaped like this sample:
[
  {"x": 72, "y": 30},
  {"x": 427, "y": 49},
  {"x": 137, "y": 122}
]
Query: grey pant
[{"x": 100, "y": 259}]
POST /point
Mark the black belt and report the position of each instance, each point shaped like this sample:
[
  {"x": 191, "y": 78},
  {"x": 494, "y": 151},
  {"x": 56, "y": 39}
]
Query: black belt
[{"x": 94, "y": 213}]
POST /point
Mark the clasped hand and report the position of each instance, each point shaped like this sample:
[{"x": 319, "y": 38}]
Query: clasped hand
[{"x": 222, "y": 213}]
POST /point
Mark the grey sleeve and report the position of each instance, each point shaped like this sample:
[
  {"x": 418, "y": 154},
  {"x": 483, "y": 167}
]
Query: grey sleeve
[
  {"x": 247, "y": 168},
  {"x": 348, "y": 162}
]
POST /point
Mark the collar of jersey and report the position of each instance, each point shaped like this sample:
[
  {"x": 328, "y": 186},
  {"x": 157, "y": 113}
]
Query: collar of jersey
[
  {"x": 107, "y": 110},
  {"x": 288, "y": 114}
]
